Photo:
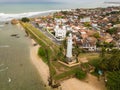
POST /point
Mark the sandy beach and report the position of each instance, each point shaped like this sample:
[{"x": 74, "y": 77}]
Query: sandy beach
[
  {"x": 42, "y": 67},
  {"x": 91, "y": 83}
]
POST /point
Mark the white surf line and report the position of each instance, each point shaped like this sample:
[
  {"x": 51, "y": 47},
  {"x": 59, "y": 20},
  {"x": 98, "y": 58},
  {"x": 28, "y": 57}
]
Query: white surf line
[
  {"x": 8, "y": 17},
  {"x": 9, "y": 80},
  {"x": 1, "y": 65},
  {"x": 3, "y": 69},
  {"x": 2, "y": 25},
  {"x": 4, "y": 46}
]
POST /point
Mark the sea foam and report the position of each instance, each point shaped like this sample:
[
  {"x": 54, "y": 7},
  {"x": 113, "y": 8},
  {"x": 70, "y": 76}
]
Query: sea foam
[
  {"x": 7, "y": 17},
  {"x": 4, "y": 46}
]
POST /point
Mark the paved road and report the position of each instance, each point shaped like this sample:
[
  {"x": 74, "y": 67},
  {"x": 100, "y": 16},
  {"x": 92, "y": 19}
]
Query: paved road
[{"x": 46, "y": 33}]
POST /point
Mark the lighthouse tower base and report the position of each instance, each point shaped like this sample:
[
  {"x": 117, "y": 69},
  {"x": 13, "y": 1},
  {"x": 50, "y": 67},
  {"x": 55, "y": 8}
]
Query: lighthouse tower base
[{"x": 71, "y": 60}]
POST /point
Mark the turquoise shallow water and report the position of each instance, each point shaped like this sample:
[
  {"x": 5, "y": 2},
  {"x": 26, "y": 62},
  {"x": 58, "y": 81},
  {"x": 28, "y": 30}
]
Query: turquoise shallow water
[
  {"x": 16, "y": 70},
  {"x": 36, "y": 7}
]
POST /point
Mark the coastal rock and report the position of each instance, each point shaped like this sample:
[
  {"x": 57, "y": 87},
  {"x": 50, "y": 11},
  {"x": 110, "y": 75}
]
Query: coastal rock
[{"x": 14, "y": 21}]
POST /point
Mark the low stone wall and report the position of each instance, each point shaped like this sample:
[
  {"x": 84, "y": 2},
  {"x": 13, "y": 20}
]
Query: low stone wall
[{"x": 70, "y": 64}]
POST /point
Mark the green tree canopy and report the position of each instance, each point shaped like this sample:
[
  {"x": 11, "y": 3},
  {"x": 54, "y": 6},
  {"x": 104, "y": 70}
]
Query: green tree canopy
[
  {"x": 87, "y": 24},
  {"x": 112, "y": 31},
  {"x": 25, "y": 19},
  {"x": 113, "y": 80},
  {"x": 111, "y": 62},
  {"x": 96, "y": 35},
  {"x": 80, "y": 74}
]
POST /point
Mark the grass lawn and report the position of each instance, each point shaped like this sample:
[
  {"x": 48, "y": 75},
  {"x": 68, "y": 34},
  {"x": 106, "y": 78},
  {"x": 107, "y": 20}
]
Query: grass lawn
[
  {"x": 60, "y": 66},
  {"x": 89, "y": 56},
  {"x": 65, "y": 74}
]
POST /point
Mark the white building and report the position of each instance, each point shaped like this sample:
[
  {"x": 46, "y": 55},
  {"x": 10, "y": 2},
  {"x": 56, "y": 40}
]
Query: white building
[
  {"x": 94, "y": 25},
  {"x": 60, "y": 21},
  {"x": 42, "y": 25},
  {"x": 86, "y": 19},
  {"x": 69, "y": 46},
  {"x": 60, "y": 33},
  {"x": 68, "y": 28}
]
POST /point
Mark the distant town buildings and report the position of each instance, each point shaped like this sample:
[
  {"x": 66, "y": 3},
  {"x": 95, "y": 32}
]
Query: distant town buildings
[
  {"x": 88, "y": 26},
  {"x": 86, "y": 19}
]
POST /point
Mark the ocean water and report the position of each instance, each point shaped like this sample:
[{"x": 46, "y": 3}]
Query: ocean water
[
  {"x": 36, "y": 7},
  {"x": 16, "y": 69},
  {"x": 9, "y": 11}
]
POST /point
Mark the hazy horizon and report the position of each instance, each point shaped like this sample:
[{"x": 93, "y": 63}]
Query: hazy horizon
[{"x": 55, "y": 1}]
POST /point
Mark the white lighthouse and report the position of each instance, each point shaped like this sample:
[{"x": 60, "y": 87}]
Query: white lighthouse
[{"x": 69, "y": 47}]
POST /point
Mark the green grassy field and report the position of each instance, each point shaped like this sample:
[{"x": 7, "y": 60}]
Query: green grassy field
[
  {"x": 89, "y": 56},
  {"x": 65, "y": 74}
]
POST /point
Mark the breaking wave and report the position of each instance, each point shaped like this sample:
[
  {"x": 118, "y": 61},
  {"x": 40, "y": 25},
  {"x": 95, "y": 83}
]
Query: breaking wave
[
  {"x": 8, "y": 17},
  {"x": 1, "y": 26},
  {"x": 1, "y": 65},
  {"x": 3, "y": 69},
  {"x": 4, "y": 46}
]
